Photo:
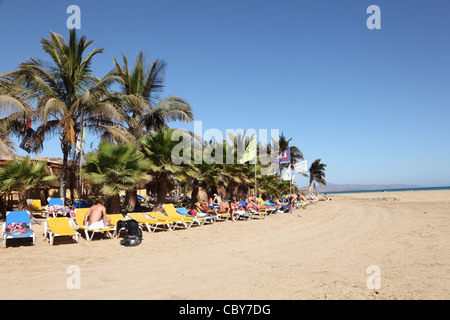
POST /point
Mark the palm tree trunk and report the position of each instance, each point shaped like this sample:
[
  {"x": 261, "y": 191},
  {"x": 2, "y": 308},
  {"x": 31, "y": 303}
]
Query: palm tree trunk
[
  {"x": 63, "y": 187},
  {"x": 23, "y": 205},
  {"x": 112, "y": 205},
  {"x": 131, "y": 201},
  {"x": 194, "y": 195},
  {"x": 162, "y": 188},
  {"x": 2, "y": 207}
]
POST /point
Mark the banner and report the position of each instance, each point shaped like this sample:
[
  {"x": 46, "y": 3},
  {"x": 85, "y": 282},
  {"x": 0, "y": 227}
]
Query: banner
[
  {"x": 301, "y": 166},
  {"x": 287, "y": 175},
  {"x": 285, "y": 156}
]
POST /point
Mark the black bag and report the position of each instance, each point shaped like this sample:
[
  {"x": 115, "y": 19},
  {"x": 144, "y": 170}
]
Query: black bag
[
  {"x": 134, "y": 237},
  {"x": 131, "y": 241}
]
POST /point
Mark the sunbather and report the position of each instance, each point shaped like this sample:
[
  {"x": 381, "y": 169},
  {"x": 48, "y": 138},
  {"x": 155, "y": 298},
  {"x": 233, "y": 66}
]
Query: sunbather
[
  {"x": 96, "y": 217},
  {"x": 217, "y": 199},
  {"x": 251, "y": 205},
  {"x": 235, "y": 207},
  {"x": 205, "y": 208}
]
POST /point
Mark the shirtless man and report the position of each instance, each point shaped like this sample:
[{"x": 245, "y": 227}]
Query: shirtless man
[
  {"x": 97, "y": 217},
  {"x": 217, "y": 199},
  {"x": 292, "y": 201}
]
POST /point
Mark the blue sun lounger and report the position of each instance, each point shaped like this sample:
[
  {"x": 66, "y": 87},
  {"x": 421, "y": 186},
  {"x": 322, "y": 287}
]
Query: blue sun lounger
[
  {"x": 185, "y": 212},
  {"x": 17, "y": 226}
]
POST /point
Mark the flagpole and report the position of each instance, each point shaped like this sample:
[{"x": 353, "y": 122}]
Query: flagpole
[{"x": 256, "y": 182}]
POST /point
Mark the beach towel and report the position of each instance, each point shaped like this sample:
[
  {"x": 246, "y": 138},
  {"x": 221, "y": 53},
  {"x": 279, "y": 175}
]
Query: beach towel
[{"x": 96, "y": 225}]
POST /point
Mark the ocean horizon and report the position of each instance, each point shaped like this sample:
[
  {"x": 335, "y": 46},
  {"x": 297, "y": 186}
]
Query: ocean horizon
[{"x": 389, "y": 190}]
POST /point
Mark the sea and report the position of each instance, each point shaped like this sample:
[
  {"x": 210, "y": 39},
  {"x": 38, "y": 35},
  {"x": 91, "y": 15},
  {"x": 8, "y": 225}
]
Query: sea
[{"x": 391, "y": 190}]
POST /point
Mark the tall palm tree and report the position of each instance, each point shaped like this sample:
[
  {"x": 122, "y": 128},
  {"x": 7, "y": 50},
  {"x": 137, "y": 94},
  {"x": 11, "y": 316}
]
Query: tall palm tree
[
  {"x": 317, "y": 173},
  {"x": 139, "y": 99},
  {"x": 114, "y": 168},
  {"x": 139, "y": 102},
  {"x": 66, "y": 93},
  {"x": 24, "y": 175}
]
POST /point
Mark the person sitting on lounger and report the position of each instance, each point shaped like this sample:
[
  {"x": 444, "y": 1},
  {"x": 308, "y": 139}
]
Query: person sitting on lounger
[
  {"x": 224, "y": 207},
  {"x": 235, "y": 207},
  {"x": 96, "y": 217},
  {"x": 251, "y": 205},
  {"x": 217, "y": 199}
]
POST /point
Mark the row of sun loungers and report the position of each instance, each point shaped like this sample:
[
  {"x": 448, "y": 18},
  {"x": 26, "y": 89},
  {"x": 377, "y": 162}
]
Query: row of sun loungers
[{"x": 18, "y": 223}]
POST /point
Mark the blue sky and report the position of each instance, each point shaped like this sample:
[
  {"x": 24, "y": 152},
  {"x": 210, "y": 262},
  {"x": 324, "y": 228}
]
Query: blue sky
[{"x": 372, "y": 104}]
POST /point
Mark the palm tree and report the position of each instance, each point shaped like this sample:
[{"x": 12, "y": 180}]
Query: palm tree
[
  {"x": 16, "y": 112},
  {"x": 23, "y": 175},
  {"x": 157, "y": 147},
  {"x": 114, "y": 168},
  {"x": 317, "y": 173},
  {"x": 66, "y": 93},
  {"x": 139, "y": 98}
]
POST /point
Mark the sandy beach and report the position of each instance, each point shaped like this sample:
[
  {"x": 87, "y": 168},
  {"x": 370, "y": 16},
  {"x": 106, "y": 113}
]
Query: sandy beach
[{"x": 321, "y": 252}]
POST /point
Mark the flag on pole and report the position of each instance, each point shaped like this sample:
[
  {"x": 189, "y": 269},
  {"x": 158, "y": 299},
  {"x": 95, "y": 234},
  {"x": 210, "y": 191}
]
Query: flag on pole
[
  {"x": 285, "y": 156},
  {"x": 250, "y": 152},
  {"x": 287, "y": 175},
  {"x": 27, "y": 141},
  {"x": 301, "y": 166}
]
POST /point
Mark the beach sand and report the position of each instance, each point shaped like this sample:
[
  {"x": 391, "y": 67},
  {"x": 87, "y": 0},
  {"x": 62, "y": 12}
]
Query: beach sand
[{"x": 321, "y": 252}]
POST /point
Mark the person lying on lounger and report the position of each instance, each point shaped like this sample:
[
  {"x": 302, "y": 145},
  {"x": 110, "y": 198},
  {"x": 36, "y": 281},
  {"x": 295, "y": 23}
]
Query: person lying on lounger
[
  {"x": 205, "y": 208},
  {"x": 96, "y": 217}
]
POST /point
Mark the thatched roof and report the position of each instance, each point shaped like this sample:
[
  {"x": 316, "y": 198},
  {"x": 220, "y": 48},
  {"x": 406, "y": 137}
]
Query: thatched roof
[{"x": 7, "y": 155}]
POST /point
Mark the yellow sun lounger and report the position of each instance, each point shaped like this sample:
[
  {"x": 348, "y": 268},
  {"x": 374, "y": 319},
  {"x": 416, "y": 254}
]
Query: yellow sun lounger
[
  {"x": 114, "y": 219},
  {"x": 149, "y": 223},
  {"x": 59, "y": 227},
  {"x": 35, "y": 206},
  {"x": 160, "y": 216},
  {"x": 80, "y": 213},
  {"x": 170, "y": 210}
]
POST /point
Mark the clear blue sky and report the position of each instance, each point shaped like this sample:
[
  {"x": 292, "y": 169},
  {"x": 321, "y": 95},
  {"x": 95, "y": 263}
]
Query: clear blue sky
[{"x": 372, "y": 104}]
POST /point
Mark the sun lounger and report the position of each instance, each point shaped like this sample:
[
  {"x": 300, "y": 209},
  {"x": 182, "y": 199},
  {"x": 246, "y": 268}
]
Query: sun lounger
[
  {"x": 170, "y": 211},
  {"x": 17, "y": 226},
  {"x": 185, "y": 212},
  {"x": 80, "y": 213},
  {"x": 114, "y": 219},
  {"x": 176, "y": 221},
  {"x": 35, "y": 206},
  {"x": 219, "y": 215},
  {"x": 59, "y": 227},
  {"x": 56, "y": 206},
  {"x": 150, "y": 223}
]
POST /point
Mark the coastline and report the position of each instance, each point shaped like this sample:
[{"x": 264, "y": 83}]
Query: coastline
[{"x": 321, "y": 252}]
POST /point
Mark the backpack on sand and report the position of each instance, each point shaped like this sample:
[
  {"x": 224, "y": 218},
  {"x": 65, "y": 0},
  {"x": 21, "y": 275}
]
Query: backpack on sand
[
  {"x": 134, "y": 237},
  {"x": 131, "y": 241}
]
